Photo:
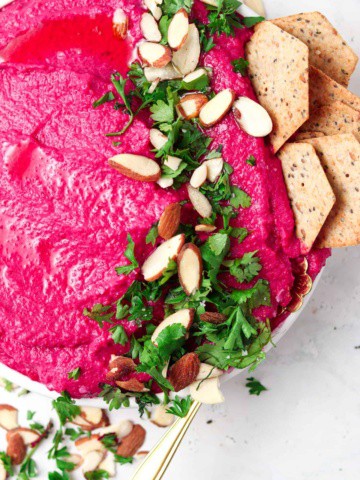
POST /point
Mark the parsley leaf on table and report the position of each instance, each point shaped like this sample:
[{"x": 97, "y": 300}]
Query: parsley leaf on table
[
  {"x": 130, "y": 255},
  {"x": 255, "y": 387},
  {"x": 180, "y": 406},
  {"x": 97, "y": 475},
  {"x": 114, "y": 397},
  {"x": 123, "y": 460},
  {"x": 65, "y": 407},
  {"x": 7, "y": 463}
]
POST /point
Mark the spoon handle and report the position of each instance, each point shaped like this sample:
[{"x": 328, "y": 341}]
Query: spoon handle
[{"x": 155, "y": 464}]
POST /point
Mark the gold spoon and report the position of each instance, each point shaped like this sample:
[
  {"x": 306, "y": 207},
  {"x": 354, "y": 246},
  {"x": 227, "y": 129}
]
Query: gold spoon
[{"x": 155, "y": 464}]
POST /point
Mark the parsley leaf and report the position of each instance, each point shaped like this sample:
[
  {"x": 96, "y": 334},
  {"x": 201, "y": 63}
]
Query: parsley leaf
[
  {"x": 180, "y": 406},
  {"x": 152, "y": 234},
  {"x": 120, "y": 83},
  {"x": 170, "y": 7},
  {"x": 65, "y": 407},
  {"x": 6, "y": 461},
  {"x": 163, "y": 112},
  {"x": 240, "y": 66},
  {"x": 239, "y": 198},
  {"x": 224, "y": 19},
  {"x": 74, "y": 374},
  {"x": 119, "y": 335},
  {"x": 114, "y": 397},
  {"x": 251, "y": 161},
  {"x": 97, "y": 475},
  {"x": 108, "y": 97},
  {"x": 246, "y": 268},
  {"x": 254, "y": 386},
  {"x": 130, "y": 255},
  {"x": 123, "y": 460},
  {"x": 251, "y": 21}
]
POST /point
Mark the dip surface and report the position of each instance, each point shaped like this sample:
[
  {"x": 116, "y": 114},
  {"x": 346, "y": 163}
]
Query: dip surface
[{"x": 65, "y": 215}]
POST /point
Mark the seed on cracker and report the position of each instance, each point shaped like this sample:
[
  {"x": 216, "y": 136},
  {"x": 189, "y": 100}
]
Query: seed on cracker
[
  {"x": 278, "y": 69},
  {"x": 309, "y": 190},
  {"x": 328, "y": 50}
]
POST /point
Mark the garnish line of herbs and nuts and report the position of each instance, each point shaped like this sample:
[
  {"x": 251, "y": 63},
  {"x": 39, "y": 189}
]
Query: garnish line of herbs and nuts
[{"x": 207, "y": 327}]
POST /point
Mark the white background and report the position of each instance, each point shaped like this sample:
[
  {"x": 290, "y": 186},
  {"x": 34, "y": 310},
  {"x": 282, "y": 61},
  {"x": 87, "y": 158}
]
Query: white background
[{"x": 307, "y": 425}]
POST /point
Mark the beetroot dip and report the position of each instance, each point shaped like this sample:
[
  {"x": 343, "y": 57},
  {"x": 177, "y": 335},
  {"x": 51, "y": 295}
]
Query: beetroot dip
[{"x": 64, "y": 214}]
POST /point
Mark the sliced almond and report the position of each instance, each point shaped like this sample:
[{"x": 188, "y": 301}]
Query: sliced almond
[
  {"x": 205, "y": 228},
  {"x": 120, "y": 23},
  {"x": 161, "y": 418},
  {"x": 190, "y": 105},
  {"x": 207, "y": 391},
  {"x": 154, "y": 55},
  {"x": 208, "y": 371},
  {"x": 199, "y": 176},
  {"x": 190, "y": 268},
  {"x": 75, "y": 459},
  {"x": 216, "y": 109},
  {"x": 214, "y": 168},
  {"x": 252, "y": 117},
  {"x": 16, "y": 448},
  {"x": 91, "y": 461},
  {"x": 173, "y": 162},
  {"x": 200, "y": 203},
  {"x": 157, "y": 138},
  {"x": 185, "y": 317},
  {"x": 157, "y": 262},
  {"x": 136, "y": 167},
  {"x": 132, "y": 443},
  {"x": 3, "y": 472},
  {"x": 165, "y": 73},
  {"x": 91, "y": 418},
  {"x": 150, "y": 28},
  {"x": 132, "y": 385},
  {"x": 213, "y": 3},
  {"x": 89, "y": 444},
  {"x": 184, "y": 372},
  {"x": 141, "y": 455},
  {"x": 8, "y": 417},
  {"x": 215, "y": 318},
  {"x": 169, "y": 221},
  {"x": 121, "y": 429},
  {"x": 154, "y": 85},
  {"x": 187, "y": 58},
  {"x": 29, "y": 436},
  {"x": 192, "y": 77},
  {"x": 178, "y": 29},
  {"x": 108, "y": 464},
  {"x": 165, "y": 182},
  {"x": 120, "y": 367},
  {"x": 153, "y": 7}
]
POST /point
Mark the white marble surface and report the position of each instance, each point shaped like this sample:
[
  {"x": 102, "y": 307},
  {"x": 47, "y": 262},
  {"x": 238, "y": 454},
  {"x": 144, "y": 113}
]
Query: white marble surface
[{"x": 307, "y": 425}]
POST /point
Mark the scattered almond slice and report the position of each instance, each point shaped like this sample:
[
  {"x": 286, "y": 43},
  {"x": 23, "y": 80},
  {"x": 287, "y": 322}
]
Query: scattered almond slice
[
  {"x": 185, "y": 317},
  {"x": 119, "y": 367},
  {"x": 190, "y": 268},
  {"x": 165, "y": 182},
  {"x": 196, "y": 75},
  {"x": 120, "y": 23},
  {"x": 187, "y": 58},
  {"x": 157, "y": 138},
  {"x": 89, "y": 444},
  {"x": 154, "y": 55},
  {"x": 132, "y": 442},
  {"x": 92, "y": 415},
  {"x": 215, "y": 318},
  {"x": 207, "y": 391},
  {"x": 157, "y": 262},
  {"x": 214, "y": 168},
  {"x": 184, "y": 372},
  {"x": 173, "y": 162},
  {"x": 169, "y": 221},
  {"x": 8, "y": 417},
  {"x": 108, "y": 464},
  {"x": 199, "y": 176},
  {"x": 75, "y": 459},
  {"x": 91, "y": 461},
  {"x": 121, "y": 429},
  {"x": 200, "y": 203},
  {"x": 208, "y": 371},
  {"x": 16, "y": 449},
  {"x": 190, "y": 105},
  {"x": 161, "y": 418},
  {"x": 154, "y": 85},
  {"x": 252, "y": 117},
  {"x": 154, "y": 8},
  {"x": 178, "y": 29},
  {"x": 132, "y": 385},
  {"x": 3, "y": 473},
  {"x": 136, "y": 167},
  {"x": 165, "y": 73},
  {"x": 141, "y": 455},
  {"x": 216, "y": 109},
  {"x": 29, "y": 436},
  {"x": 205, "y": 228},
  {"x": 150, "y": 28}
]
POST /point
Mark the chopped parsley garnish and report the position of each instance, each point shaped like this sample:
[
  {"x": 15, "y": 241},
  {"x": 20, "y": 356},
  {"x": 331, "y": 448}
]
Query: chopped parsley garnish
[
  {"x": 152, "y": 235},
  {"x": 223, "y": 18},
  {"x": 6, "y": 461},
  {"x": 251, "y": 161},
  {"x": 254, "y": 386},
  {"x": 65, "y": 408},
  {"x": 97, "y": 475},
  {"x": 119, "y": 335},
  {"x": 108, "y": 97},
  {"x": 251, "y": 21},
  {"x": 240, "y": 66},
  {"x": 180, "y": 406},
  {"x": 130, "y": 255},
  {"x": 170, "y": 7},
  {"x": 74, "y": 374}
]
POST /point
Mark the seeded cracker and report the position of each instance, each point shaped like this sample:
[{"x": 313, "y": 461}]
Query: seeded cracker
[
  {"x": 309, "y": 191},
  {"x": 340, "y": 157},
  {"x": 278, "y": 69},
  {"x": 334, "y": 119},
  {"x": 304, "y": 135},
  {"x": 325, "y": 91},
  {"x": 328, "y": 50}
]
